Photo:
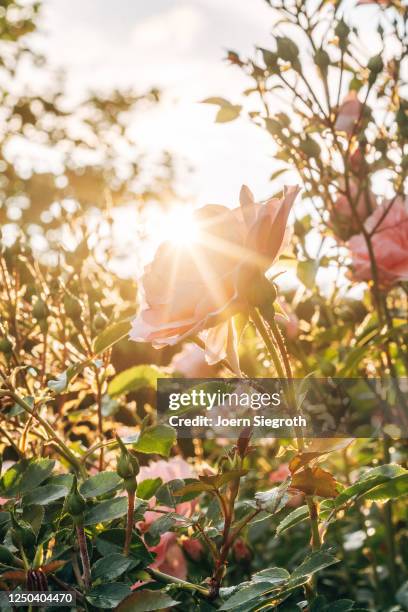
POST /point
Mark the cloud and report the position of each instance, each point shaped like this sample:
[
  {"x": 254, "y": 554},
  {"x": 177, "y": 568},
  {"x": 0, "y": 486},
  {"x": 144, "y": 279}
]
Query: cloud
[{"x": 173, "y": 31}]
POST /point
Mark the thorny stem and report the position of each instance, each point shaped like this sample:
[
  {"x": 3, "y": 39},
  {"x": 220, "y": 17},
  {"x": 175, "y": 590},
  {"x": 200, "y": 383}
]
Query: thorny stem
[
  {"x": 129, "y": 522},
  {"x": 181, "y": 584},
  {"x": 311, "y": 591},
  {"x": 67, "y": 453},
  {"x": 83, "y": 552},
  {"x": 260, "y": 326}
]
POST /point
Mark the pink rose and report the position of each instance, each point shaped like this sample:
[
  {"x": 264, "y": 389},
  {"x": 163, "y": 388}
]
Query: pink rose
[
  {"x": 169, "y": 556},
  {"x": 358, "y": 162},
  {"x": 193, "y": 548},
  {"x": 241, "y": 550},
  {"x": 349, "y": 114},
  {"x": 290, "y": 322},
  {"x": 389, "y": 228},
  {"x": 188, "y": 290},
  {"x": 344, "y": 221},
  {"x": 280, "y": 475},
  {"x": 191, "y": 363},
  {"x": 382, "y": 2}
]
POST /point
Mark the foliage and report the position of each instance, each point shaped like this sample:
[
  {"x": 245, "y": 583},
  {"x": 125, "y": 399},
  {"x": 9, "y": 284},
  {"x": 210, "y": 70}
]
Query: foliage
[{"x": 97, "y": 495}]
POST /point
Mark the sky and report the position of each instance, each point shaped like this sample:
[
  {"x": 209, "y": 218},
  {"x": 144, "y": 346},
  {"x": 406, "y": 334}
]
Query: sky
[{"x": 178, "y": 46}]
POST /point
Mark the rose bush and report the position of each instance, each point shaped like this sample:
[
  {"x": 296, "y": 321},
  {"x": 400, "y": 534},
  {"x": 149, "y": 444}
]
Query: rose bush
[{"x": 99, "y": 496}]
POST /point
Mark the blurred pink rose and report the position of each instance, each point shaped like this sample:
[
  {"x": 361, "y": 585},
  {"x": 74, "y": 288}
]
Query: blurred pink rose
[
  {"x": 358, "y": 162},
  {"x": 290, "y": 323},
  {"x": 389, "y": 225},
  {"x": 241, "y": 550},
  {"x": 349, "y": 114},
  {"x": 193, "y": 548},
  {"x": 281, "y": 474},
  {"x": 191, "y": 362},
  {"x": 187, "y": 290},
  {"x": 344, "y": 221},
  {"x": 383, "y": 2},
  {"x": 169, "y": 556}
]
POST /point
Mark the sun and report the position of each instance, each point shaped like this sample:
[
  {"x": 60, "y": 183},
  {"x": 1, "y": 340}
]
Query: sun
[{"x": 179, "y": 227}]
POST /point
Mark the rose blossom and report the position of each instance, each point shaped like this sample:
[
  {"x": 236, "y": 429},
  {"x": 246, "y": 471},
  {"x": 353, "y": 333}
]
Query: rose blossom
[
  {"x": 342, "y": 216},
  {"x": 349, "y": 113},
  {"x": 188, "y": 290},
  {"x": 280, "y": 475},
  {"x": 169, "y": 556},
  {"x": 389, "y": 225},
  {"x": 191, "y": 362}
]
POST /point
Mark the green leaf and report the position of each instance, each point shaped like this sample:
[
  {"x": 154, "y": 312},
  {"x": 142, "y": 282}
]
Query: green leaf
[
  {"x": 228, "y": 113},
  {"x": 111, "y": 335},
  {"x": 217, "y": 101},
  {"x": 34, "y": 516},
  {"x": 147, "y": 488},
  {"x": 45, "y": 495},
  {"x": 246, "y": 594},
  {"x": 108, "y": 596},
  {"x": 293, "y": 518},
  {"x": 394, "y": 488},
  {"x": 100, "y": 484},
  {"x": 157, "y": 440},
  {"x": 143, "y": 600},
  {"x": 312, "y": 564},
  {"x": 133, "y": 379},
  {"x": 111, "y": 542},
  {"x": 111, "y": 567},
  {"x": 5, "y": 556},
  {"x": 193, "y": 487},
  {"x": 106, "y": 511},
  {"x": 402, "y": 595},
  {"x": 274, "y": 575},
  {"x": 371, "y": 479},
  {"x": 273, "y": 500},
  {"x": 25, "y": 476},
  {"x": 306, "y": 272},
  {"x": 341, "y": 605}
]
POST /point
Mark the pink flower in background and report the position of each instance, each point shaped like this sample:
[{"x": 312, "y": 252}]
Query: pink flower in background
[
  {"x": 349, "y": 114},
  {"x": 169, "y": 556},
  {"x": 382, "y": 2},
  {"x": 281, "y": 474},
  {"x": 344, "y": 221},
  {"x": 193, "y": 548},
  {"x": 389, "y": 226},
  {"x": 290, "y": 323},
  {"x": 191, "y": 362},
  {"x": 241, "y": 550},
  {"x": 358, "y": 162},
  {"x": 188, "y": 290}
]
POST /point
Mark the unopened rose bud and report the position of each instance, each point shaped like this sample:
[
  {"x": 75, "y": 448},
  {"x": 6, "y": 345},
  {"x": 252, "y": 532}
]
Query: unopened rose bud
[
  {"x": 100, "y": 322},
  {"x": 375, "y": 64},
  {"x": 73, "y": 307},
  {"x": 6, "y": 346},
  {"x": 40, "y": 310},
  {"x": 287, "y": 49},
  {"x": 75, "y": 503},
  {"x": 127, "y": 467},
  {"x": 322, "y": 60},
  {"x": 342, "y": 31}
]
